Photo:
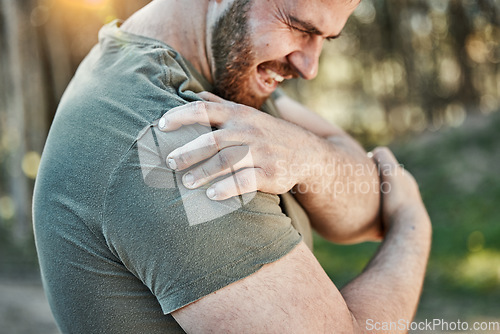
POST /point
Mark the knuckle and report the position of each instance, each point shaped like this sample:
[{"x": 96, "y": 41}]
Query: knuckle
[
  {"x": 244, "y": 181},
  {"x": 215, "y": 139},
  {"x": 230, "y": 137},
  {"x": 204, "y": 171},
  {"x": 223, "y": 160},
  {"x": 200, "y": 108},
  {"x": 209, "y": 140},
  {"x": 253, "y": 131},
  {"x": 244, "y": 110},
  {"x": 249, "y": 111},
  {"x": 234, "y": 107},
  {"x": 267, "y": 171},
  {"x": 264, "y": 151}
]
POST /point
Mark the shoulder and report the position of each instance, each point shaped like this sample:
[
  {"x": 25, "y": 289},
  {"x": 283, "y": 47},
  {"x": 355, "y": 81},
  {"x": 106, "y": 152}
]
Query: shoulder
[{"x": 188, "y": 244}]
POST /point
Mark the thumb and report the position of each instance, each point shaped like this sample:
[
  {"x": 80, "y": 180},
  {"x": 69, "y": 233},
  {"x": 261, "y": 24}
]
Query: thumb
[{"x": 385, "y": 160}]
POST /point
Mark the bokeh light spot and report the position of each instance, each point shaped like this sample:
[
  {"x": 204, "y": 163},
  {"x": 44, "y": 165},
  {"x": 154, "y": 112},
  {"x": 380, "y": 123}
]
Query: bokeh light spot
[
  {"x": 6, "y": 207},
  {"x": 31, "y": 161},
  {"x": 455, "y": 114},
  {"x": 39, "y": 16},
  {"x": 365, "y": 12},
  {"x": 476, "y": 49},
  {"x": 421, "y": 24},
  {"x": 475, "y": 241},
  {"x": 480, "y": 269}
]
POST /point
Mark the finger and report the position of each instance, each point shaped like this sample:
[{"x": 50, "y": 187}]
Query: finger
[
  {"x": 226, "y": 161},
  {"x": 210, "y": 97},
  {"x": 201, "y": 112},
  {"x": 199, "y": 149},
  {"x": 242, "y": 182},
  {"x": 385, "y": 159},
  {"x": 384, "y": 155},
  {"x": 390, "y": 170}
]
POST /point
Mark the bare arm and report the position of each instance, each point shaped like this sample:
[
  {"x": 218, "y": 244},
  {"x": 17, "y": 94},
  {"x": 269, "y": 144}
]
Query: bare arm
[
  {"x": 344, "y": 205},
  {"x": 404, "y": 252},
  {"x": 294, "y": 294}
]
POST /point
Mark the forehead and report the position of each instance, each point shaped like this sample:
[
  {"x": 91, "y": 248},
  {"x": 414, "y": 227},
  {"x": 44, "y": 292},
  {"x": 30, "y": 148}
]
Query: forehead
[
  {"x": 328, "y": 15},
  {"x": 329, "y": 3}
]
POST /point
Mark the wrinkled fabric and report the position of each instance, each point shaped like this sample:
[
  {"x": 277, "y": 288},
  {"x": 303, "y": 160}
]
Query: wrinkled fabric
[{"x": 121, "y": 242}]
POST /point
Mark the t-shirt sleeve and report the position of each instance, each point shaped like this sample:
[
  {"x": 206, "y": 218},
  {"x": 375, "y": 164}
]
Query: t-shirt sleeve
[{"x": 179, "y": 243}]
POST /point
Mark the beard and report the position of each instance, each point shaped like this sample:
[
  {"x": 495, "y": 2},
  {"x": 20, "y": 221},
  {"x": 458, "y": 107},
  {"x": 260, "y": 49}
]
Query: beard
[{"x": 234, "y": 57}]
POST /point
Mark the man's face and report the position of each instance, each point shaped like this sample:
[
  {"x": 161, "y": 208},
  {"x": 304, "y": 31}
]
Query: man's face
[{"x": 256, "y": 44}]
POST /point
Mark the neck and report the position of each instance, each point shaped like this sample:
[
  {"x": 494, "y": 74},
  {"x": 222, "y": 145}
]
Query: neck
[{"x": 180, "y": 24}]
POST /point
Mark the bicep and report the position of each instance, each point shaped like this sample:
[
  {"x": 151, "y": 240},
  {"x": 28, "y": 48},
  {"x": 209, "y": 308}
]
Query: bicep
[
  {"x": 290, "y": 295},
  {"x": 296, "y": 113}
]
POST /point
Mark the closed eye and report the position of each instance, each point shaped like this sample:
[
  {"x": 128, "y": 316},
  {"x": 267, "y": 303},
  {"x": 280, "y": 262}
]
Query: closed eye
[
  {"x": 308, "y": 32},
  {"x": 301, "y": 30},
  {"x": 301, "y": 26},
  {"x": 331, "y": 38}
]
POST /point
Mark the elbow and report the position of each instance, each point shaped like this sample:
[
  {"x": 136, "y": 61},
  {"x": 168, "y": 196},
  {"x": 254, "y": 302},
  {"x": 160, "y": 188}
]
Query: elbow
[{"x": 368, "y": 233}]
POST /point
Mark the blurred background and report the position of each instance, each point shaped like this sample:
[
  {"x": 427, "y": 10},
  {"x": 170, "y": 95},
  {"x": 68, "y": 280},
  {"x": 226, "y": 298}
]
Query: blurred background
[{"x": 421, "y": 76}]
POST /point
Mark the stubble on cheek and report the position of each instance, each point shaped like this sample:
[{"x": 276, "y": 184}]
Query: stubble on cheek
[{"x": 234, "y": 56}]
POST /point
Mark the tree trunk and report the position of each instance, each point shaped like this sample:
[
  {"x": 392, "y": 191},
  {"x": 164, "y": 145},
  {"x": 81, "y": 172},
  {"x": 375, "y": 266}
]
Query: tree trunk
[{"x": 23, "y": 103}]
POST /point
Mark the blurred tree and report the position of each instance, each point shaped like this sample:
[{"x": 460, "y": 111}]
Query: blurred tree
[
  {"x": 405, "y": 66},
  {"x": 461, "y": 27},
  {"x": 24, "y": 103},
  {"x": 401, "y": 66},
  {"x": 41, "y": 44}
]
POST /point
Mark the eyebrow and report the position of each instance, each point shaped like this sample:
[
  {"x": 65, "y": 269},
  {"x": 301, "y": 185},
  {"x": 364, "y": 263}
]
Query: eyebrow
[{"x": 309, "y": 27}]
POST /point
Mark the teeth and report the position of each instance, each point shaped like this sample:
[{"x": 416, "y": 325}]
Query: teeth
[{"x": 274, "y": 75}]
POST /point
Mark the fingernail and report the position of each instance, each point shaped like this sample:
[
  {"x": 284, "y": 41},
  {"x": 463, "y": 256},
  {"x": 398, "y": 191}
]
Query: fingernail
[
  {"x": 162, "y": 123},
  {"x": 211, "y": 193},
  {"x": 188, "y": 180},
  {"x": 171, "y": 163}
]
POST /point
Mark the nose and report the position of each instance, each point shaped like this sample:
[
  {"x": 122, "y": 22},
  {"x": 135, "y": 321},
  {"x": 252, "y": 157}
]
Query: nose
[{"x": 306, "y": 58}]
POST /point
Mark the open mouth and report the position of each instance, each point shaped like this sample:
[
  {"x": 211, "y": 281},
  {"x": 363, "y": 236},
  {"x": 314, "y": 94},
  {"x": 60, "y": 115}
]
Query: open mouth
[
  {"x": 268, "y": 78},
  {"x": 275, "y": 76}
]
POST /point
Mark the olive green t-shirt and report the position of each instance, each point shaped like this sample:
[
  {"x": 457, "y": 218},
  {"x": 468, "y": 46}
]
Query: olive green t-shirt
[{"x": 121, "y": 242}]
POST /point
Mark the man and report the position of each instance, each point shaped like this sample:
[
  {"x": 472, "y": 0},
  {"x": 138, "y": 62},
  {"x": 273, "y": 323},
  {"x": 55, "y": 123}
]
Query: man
[{"x": 156, "y": 206}]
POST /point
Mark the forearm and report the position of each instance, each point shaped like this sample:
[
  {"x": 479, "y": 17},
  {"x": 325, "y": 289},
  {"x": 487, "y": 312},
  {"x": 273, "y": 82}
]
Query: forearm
[
  {"x": 394, "y": 278},
  {"x": 342, "y": 196}
]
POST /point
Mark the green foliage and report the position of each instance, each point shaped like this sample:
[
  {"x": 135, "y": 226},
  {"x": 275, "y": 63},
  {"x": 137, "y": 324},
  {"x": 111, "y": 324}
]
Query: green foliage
[{"x": 405, "y": 66}]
